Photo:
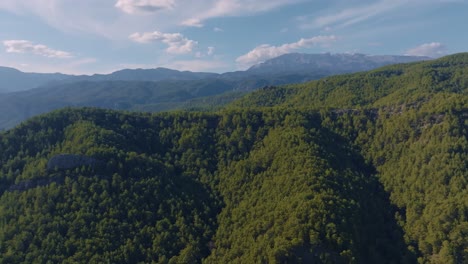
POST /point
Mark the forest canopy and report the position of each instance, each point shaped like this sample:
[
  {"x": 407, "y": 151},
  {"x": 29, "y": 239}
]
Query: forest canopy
[{"x": 361, "y": 168}]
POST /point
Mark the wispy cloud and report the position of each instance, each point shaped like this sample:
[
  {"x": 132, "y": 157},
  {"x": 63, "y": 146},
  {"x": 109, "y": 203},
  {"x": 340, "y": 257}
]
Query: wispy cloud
[
  {"x": 217, "y": 29},
  {"x": 352, "y": 15},
  {"x": 266, "y": 51},
  {"x": 221, "y": 8},
  {"x": 176, "y": 42},
  {"x": 73, "y": 17},
  {"x": 113, "y": 19},
  {"x": 433, "y": 49},
  {"x": 192, "y": 22},
  {"x": 25, "y": 46},
  {"x": 144, "y": 6}
]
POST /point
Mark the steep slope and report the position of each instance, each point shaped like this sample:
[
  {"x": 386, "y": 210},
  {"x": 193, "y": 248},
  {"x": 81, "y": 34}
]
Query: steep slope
[
  {"x": 302, "y": 195},
  {"x": 421, "y": 157},
  {"x": 158, "y": 183},
  {"x": 410, "y": 122}
]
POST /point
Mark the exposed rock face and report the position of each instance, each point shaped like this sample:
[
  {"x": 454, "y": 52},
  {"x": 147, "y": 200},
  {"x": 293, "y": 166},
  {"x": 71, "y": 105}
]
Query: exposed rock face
[
  {"x": 70, "y": 161},
  {"x": 26, "y": 185}
]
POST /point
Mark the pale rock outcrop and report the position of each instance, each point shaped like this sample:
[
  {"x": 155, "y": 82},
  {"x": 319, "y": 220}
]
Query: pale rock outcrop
[{"x": 70, "y": 161}]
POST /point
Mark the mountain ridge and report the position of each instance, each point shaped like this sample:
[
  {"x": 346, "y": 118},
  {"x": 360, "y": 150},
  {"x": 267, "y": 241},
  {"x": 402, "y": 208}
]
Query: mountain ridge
[
  {"x": 7, "y": 83},
  {"x": 12, "y": 80}
]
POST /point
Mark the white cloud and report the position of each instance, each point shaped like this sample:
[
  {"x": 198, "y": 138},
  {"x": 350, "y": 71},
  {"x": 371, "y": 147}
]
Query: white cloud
[
  {"x": 176, "y": 42},
  {"x": 265, "y": 52},
  {"x": 144, "y": 6},
  {"x": 217, "y": 29},
  {"x": 433, "y": 49},
  {"x": 192, "y": 22},
  {"x": 210, "y": 51},
  {"x": 25, "y": 46}
]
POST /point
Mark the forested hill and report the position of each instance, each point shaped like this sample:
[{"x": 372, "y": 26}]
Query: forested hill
[
  {"x": 411, "y": 123},
  {"x": 373, "y": 170},
  {"x": 396, "y": 85},
  {"x": 235, "y": 187}
]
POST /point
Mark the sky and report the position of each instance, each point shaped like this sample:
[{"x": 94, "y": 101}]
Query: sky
[{"x": 102, "y": 36}]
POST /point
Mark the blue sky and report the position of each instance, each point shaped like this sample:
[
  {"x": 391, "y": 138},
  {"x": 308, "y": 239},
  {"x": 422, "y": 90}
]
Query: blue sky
[{"x": 101, "y": 36}]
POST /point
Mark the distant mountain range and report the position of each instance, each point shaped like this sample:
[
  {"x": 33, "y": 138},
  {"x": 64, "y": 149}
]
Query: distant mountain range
[
  {"x": 299, "y": 68},
  {"x": 153, "y": 75},
  {"x": 164, "y": 89},
  {"x": 13, "y": 80}
]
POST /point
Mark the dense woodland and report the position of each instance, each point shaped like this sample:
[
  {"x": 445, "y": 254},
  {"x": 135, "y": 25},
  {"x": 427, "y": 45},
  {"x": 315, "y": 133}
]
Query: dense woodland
[{"x": 362, "y": 168}]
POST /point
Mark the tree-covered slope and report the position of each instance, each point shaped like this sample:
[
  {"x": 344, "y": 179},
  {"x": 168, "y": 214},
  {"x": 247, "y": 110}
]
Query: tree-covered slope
[
  {"x": 363, "y": 168},
  {"x": 189, "y": 188},
  {"x": 411, "y": 122},
  {"x": 302, "y": 195}
]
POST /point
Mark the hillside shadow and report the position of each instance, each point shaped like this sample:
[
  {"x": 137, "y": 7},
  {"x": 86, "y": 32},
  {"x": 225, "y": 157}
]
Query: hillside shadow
[{"x": 379, "y": 237}]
